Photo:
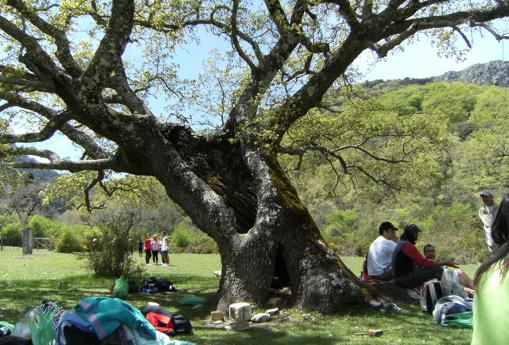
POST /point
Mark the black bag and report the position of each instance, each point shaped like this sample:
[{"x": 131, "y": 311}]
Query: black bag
[
  {"x": 162, "y": 284},
  {"x": 133, "y": 287},
  {"x": 430, "y": 294},
  {"x": 156, "y": 284},
  {"x": 181, "y": 325}
]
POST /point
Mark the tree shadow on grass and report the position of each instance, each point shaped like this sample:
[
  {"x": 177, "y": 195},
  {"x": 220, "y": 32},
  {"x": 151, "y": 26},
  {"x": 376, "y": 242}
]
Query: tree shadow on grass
[
  {"x": 270, "y": 335},
  {"x": 19, "y": 296},
  {"x": 408, "y": 327},
  {"x": 348, "y": 327}
]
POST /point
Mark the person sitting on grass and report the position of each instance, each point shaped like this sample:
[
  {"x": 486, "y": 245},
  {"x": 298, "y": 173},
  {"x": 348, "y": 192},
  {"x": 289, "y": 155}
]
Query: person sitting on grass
[
  {"x": 380, "y": 252},
  {"x": 410, "y": 268},
  {"x": 491, "y": 305},
  {"x": 468, "y": 284}
]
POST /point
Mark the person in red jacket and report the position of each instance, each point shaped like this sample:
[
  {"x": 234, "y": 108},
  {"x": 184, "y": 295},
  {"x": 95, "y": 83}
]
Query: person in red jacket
[
  {"x": 410, "y": 268},
  {"x": 147, "y": 246}
]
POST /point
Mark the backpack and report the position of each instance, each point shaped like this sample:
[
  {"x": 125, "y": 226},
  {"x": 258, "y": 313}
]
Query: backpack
[
  {"x": 180, "y": 324},
  {"x": 430, "y": 294},
  {"x": 152, "y": 308},
  {"x": 133, "y": 287},
  {"x": 454, "y": 311},
  {"x": 161, "y": 323},
  {"x": 156, "y": 284}
]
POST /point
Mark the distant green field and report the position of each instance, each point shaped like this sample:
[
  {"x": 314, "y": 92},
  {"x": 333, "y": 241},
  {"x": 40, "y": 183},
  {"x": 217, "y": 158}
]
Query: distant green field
[{"x": 27, "y": 280}]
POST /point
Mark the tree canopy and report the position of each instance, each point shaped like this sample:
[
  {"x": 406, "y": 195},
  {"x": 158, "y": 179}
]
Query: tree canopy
[{"x": 74, "y": 67}]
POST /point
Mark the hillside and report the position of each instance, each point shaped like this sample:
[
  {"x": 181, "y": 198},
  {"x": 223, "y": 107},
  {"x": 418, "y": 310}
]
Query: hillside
[
  {"x": 491, "y": 73},
  {"x": 41, "y": 174},
  {"x": 435, "y": 145}
]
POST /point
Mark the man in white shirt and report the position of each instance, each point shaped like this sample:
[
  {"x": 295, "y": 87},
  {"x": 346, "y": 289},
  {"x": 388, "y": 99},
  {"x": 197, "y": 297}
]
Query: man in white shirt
[
  {"x": 487, "y": 213},
  {"x": 380, "y": 252}
]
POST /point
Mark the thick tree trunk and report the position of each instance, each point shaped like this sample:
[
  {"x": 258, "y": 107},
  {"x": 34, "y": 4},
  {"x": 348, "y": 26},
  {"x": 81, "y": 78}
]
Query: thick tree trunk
[
  {"x": 245, "y": 202},
  {"x": 285, "y": 239},
  {"x": 247, "y": 270}
]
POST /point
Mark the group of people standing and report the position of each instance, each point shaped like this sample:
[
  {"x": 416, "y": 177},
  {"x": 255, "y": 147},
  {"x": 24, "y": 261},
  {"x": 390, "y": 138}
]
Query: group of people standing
[{"x": 152, "y": 246}]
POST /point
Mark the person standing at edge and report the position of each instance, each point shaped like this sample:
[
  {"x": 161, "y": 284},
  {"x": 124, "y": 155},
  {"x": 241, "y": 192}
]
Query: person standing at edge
[
  {"x": 165, "y": 249},
  {"x": 491, "y": 305},
  {"x": 380, "y": 252},
  {"x": 487, "y": 213}
]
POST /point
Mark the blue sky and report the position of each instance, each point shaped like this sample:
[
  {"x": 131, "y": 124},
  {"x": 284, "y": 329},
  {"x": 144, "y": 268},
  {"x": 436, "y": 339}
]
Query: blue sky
[{"x": 420, "y": 60}]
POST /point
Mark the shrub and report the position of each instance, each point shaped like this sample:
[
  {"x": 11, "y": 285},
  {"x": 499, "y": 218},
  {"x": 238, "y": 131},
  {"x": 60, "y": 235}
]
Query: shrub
[
  {"x": 111, "y": 256},
  {"x": 185, "y": 238},
  {"x": 12, "y": 234},
  {"x": 69, "y": 243},
  {"x": 181, "y": 237},
  {"x": 44, "y": 227}
]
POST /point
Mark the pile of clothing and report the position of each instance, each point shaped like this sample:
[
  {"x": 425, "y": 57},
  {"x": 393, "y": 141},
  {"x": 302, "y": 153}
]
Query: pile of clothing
[{"x": 93, "y": 321}]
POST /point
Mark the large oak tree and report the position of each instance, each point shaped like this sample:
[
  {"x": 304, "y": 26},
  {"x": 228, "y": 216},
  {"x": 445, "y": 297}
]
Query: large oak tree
[{"x": 65, "y": 69}]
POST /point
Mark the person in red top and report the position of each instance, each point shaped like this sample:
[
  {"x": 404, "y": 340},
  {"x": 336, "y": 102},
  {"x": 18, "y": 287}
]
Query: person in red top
[
  {"x": 410, "y": 268},
  {"x": 147, "y": 246}
]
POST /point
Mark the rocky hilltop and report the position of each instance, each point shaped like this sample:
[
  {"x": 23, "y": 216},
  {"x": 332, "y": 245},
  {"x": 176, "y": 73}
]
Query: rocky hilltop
[{"x": 491, "y": 73}]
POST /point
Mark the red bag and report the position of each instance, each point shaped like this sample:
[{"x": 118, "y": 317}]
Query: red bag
[{"x": 161, "y": 322}]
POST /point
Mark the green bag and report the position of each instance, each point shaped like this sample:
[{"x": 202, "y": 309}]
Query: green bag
[
  {"x": 459, "y": 320},
  {"x": 41, "y": 327},
  {"x": 121, "y": 288},
  {"x": 191, "y": 300}
]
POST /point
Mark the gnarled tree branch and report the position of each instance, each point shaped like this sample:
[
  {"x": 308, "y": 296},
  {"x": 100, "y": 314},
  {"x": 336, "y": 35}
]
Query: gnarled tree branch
[
  {"x": 56, "y": 162},
  {"x": 63, "y": 47}
]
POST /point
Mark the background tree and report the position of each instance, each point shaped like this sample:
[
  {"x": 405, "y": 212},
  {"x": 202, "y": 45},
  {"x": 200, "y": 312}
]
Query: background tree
[
  {"x": 436, "y": 187},
  {"x": 286, "y": 57},
  {"x": 24, "y": 198}
]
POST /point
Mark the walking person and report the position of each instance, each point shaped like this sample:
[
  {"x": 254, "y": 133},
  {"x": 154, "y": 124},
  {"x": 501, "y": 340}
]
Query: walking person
[
  {"x": 487, "y": 213},
  {"x": 156, "y": 247},
  {"x": 147, "y": 246},
  {"x": 491, "y": 305},
  {"x": 165, "y": 249}
]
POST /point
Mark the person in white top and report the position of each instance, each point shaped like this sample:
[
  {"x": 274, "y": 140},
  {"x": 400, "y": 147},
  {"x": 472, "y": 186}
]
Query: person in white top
[
  {"x": 165, "y": 249},
  {"x": 487, "y": 213},
  {"x": 380, "y": 252}
]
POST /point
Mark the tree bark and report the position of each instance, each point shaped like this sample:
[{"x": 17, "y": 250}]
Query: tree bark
[
  {"x": 245, "y": 202},
  {"x": 284, "y": 239}
]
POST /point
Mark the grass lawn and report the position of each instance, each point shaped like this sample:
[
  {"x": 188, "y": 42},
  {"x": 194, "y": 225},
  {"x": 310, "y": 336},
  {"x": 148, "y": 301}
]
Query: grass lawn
[{"x": 27, "y": 280}]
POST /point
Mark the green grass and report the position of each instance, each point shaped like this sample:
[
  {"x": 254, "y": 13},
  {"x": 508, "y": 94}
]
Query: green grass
[{"x": 26, "y": 280}]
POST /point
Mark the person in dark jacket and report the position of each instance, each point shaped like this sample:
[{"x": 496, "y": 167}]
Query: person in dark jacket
[{"x": 410, "y": 268}]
